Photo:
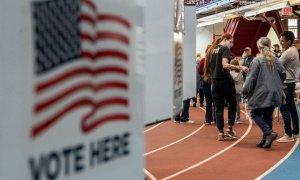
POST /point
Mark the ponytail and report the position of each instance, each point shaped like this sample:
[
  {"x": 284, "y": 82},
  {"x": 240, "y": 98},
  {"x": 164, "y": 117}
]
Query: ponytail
[
  {"x": 209, "y": 52},
  {"x": 264, "y": 46}
]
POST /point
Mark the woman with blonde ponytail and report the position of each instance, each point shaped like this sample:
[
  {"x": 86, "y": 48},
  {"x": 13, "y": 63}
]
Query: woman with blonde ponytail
[{"x": 263, "y": 89}]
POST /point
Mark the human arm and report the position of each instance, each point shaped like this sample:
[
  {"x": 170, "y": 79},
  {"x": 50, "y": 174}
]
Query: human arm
[
  {"x": 225, "y": 62},
  {"x": 281, "y": 72},
  {"x": 285, "y": 56},
  {"x": 251, "y": 79},
  {"x": 228, "y": 66}
]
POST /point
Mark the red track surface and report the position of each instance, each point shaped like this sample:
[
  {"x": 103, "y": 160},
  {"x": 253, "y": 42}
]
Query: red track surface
[{"x": 201, "y": 156}]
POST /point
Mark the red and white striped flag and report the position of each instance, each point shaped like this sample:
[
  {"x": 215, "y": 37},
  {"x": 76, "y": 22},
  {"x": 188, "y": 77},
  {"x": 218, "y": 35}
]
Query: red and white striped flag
[{"x": 81, "y": 61}]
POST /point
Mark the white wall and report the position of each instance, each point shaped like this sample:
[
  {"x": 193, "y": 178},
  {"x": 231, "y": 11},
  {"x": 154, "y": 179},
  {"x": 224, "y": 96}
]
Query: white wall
[
  {"x": 272, "y": 35},
  {"x": 159, "y": 60},
  {"x": 204, "y": 36},
  {"x": 189, "y": 53}
]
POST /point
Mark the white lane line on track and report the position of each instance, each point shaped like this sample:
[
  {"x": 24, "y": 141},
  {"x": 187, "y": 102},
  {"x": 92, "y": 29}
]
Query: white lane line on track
[
  {"x": 203, "y": 109},
  {"x": 149, "y": 174},
  {"x": 153, "y": 127},
  {"x": 171, "y": 144},
  {"x": 213, "y": 156},
  {"x": 279, "y": 162}
]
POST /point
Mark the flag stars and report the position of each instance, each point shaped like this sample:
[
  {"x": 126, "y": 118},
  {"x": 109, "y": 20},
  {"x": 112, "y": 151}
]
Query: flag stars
[{"x": 56, "y": 33}]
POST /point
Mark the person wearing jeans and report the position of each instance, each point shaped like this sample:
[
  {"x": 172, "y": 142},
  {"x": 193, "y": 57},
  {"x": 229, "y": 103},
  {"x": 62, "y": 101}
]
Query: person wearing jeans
[
  {"x": 210, "y": 113},
  {"x": 238, "y": 82},
  {"x": 263, "y": 89},
  {"x": 184, "y": 116},
  {"x": 290, "y": 61},
  {"x": 289, "y": 114},
  {"x": 263, "y": 117},
  {"x": 199, "y": 81}
]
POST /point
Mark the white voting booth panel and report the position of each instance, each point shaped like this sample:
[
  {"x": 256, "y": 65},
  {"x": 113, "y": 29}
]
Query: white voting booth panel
[
  {"x": 159, "y": 60},
  {"x": 68, "y": 96},
  {"x": 189, "y": 52}
]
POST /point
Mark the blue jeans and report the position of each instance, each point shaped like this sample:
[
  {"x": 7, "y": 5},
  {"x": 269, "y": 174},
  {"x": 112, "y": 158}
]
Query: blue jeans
[
  {"x": 289, "y": 111},
  {"x": 263, "y": 117},
  {"x": 238, "y": 109},
  {"x": 184, "y": 116},
  {"x": 201, "y": 96},
  {"x": 209, "y": 114}
]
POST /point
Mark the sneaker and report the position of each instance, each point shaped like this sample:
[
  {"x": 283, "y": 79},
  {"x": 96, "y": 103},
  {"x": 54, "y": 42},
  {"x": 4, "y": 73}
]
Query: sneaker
[
  {"x": 237, "y": 121},
  {"x": 187, "y": 122},
  {"x": 231, "y": 134},
  {"x": 175, "y": 121},
  {"x": 221, "y": 137},
  {"x": 285, "y": 138},
  {"x": 296, "y": 136},
  {"x": 208, "y": 123},
  {"x": 269, "y": 139}
]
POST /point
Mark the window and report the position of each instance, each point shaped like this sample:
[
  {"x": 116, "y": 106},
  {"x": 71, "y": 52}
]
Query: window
[{"x": 293, "y": 26}]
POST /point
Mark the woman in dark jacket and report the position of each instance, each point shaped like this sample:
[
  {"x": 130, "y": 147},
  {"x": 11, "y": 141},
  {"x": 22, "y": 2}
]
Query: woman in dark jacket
[{"x": 263, "y": 89}]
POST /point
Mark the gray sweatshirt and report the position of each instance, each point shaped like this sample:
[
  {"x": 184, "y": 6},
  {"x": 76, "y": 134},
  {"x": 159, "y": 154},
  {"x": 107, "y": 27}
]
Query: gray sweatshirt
[
  {"x": 290, "y": 62},
  {"x": 263, "y": 88},
  {"x": 238, "y": 81}
]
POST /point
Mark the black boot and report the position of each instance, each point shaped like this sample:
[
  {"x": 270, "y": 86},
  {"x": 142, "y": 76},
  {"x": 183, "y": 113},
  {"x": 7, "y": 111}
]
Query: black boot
[
  {"x": 261, "y": 143},
  {"x": 269, "y": 139}
]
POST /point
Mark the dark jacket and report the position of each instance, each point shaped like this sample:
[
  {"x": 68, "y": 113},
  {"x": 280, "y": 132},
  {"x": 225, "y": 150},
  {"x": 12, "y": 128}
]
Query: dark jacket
[
  {"x": 263, "y": 88},
  {"x": 246, "y": 62}
]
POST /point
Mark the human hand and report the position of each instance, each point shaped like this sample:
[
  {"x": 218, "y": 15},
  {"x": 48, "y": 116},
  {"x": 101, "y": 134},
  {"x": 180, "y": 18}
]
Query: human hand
[{"x": 244, "y": 68}]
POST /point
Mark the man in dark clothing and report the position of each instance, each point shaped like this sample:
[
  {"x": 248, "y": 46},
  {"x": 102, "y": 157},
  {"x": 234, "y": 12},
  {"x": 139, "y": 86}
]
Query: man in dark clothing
[
  {"x": 199, "y": 83},
  {"x": 247, "y": 59}
]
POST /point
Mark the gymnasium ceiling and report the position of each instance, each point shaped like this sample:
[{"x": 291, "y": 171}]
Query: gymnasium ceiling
[{"x": 239, "y": 4}]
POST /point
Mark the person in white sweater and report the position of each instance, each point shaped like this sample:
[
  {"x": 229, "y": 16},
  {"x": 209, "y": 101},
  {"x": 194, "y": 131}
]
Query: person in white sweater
[
  {"x": 237, "y": 76},
  {"x": 290, "y": 61}
]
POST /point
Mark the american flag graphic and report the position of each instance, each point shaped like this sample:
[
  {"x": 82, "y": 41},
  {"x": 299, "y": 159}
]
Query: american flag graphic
[
  {"x": 178, "y": 64},
  {"x": 81, "y": 60}
]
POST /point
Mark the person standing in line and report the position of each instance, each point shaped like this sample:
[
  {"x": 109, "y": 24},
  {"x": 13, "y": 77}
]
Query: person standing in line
[
  {"x": 199, "y": 84},
  {"x": 209, "y": 113},
  {"x": 238, "y": 82},
  {"x": 290, "y": 61},
  {"x": 184, "y": 116},
  {"x": 222, "y": 85},
  {"x": 247, "y": 58},
  {"x": 276, "y": 50},
  {"x": 263, "y": 89}
]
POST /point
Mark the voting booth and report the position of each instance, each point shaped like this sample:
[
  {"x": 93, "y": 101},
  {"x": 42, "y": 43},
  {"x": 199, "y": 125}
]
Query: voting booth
[{"x": 68, "y": 104}]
